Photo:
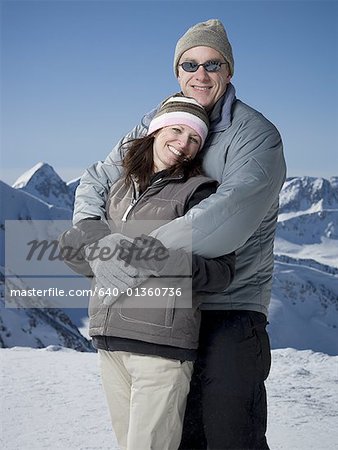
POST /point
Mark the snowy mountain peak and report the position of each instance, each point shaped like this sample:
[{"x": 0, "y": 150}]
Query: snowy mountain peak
[
  {"x": 43, "y": 182},
  {"x": 308, "y": 213},
  {"x": 27, "y": 177},
  {"x": 300, "y": 194}
]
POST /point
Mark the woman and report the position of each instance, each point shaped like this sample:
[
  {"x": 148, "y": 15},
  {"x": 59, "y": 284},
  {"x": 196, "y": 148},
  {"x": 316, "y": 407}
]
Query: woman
[{"x": 147, "y": 345}]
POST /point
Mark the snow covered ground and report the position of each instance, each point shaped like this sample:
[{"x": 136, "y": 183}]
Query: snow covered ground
[
  {"x": 325, "y": 251},
  {"x": 52, "y": 399}
]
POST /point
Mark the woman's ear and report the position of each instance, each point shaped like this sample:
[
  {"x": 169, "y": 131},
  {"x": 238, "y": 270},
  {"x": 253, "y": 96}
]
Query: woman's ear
[{"x": 155, "y": 133}]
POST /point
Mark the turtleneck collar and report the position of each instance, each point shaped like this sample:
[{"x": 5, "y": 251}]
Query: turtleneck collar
[{"x": 220, "y": 116}]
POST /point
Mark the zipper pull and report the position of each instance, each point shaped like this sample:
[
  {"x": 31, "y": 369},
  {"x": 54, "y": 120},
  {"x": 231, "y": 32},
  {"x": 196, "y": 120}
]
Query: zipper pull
[{"x": 124, "y": 218}]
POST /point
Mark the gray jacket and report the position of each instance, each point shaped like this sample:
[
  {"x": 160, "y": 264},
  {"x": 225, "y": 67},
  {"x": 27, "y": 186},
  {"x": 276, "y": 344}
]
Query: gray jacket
[
  {"x": 172, "y": 317},
  {"x": 244, "y": 152}
]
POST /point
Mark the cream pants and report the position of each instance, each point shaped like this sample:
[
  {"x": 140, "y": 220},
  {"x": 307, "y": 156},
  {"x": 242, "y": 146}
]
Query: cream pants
[{"x": 146, "y": 398}]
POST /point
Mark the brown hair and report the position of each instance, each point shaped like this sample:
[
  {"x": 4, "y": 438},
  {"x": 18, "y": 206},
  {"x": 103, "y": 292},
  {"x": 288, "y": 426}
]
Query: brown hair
[{"x": 138, "y": 162}]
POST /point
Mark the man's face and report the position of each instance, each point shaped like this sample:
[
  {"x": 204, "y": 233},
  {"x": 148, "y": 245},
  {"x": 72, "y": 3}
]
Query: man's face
[{"x": 205, "y": 87}]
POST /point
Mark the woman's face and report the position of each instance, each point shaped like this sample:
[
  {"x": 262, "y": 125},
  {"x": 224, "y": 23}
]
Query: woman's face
[{"x": 174, "y": 144}]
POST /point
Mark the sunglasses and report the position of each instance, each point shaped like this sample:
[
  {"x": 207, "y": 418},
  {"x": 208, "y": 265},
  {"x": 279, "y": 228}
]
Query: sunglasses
[{"x": 209, "y": 66}]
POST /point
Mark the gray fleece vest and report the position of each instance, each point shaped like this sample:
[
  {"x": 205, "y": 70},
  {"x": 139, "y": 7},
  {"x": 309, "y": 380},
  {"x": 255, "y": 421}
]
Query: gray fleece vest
[{"x": 168, "y": 323}]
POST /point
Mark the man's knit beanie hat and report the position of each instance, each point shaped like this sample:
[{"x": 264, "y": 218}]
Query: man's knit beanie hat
[
  {"x": 181, "y": 110},
  {"x": 207, "y": 34}
]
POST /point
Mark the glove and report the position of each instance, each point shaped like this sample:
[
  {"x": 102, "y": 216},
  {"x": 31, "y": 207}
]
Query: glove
[
  {"x": 172, "y": 266},
  {"x": 113, "y": 275},
  {"x": 73, "y": 241},
  {"x": 85, "y": 232},
  {"x": 144, "y": 252},
  {"x": 148, "y": 253}
]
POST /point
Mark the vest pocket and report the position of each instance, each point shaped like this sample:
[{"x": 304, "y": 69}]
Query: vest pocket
[
  {"x": 148, "y": 311},
  {"x": 97, "y": 312}
]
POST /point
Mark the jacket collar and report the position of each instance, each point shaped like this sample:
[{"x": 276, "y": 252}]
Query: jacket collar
[
  {"x": 162, "y": 176},
  {"x": 165, "y": 174},
  {"x": 220, "y": 116}
]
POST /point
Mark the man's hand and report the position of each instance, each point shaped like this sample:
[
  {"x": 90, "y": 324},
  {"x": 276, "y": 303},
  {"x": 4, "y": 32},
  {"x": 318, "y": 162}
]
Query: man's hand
[
  {"x": 113, "y": 275},
  {"x": 144, "y": 252},
  {"x": 148, "y": 253},
  {"x": 120, "y": 263}
]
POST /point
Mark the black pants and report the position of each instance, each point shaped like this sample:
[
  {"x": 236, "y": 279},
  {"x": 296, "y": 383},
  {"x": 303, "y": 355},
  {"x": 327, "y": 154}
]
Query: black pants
[{"x": 226, "y": 406}]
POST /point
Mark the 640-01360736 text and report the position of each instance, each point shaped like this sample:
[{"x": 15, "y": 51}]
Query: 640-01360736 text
[{"x": 142, "y": 292}]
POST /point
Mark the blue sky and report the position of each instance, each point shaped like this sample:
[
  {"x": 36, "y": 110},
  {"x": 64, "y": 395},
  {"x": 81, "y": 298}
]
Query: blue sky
[{"x": 76, "y": 75}]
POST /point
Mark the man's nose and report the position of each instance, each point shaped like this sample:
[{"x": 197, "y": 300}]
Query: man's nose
[{"x": 201, "y": 73}]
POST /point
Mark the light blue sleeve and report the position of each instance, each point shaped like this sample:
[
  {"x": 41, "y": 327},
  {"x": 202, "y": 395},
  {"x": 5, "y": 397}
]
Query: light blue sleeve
[{"x": 95, "y": 183}]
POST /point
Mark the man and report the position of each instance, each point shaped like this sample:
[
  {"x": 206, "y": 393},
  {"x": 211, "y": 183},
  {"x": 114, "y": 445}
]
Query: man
[{"x": 244, "y": 153}]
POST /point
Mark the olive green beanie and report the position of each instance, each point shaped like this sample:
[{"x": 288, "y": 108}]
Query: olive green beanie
[{"x": 207, "y": 34}]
